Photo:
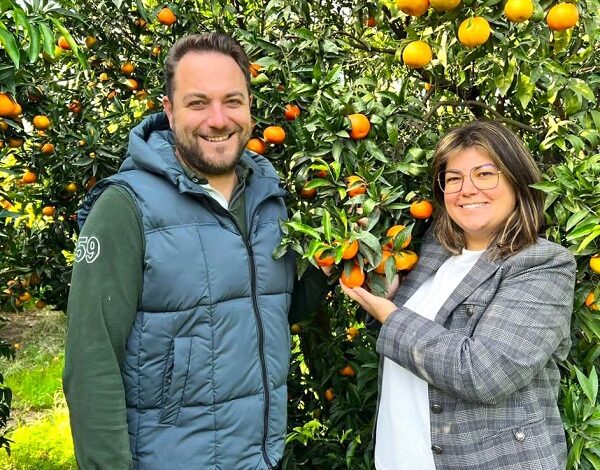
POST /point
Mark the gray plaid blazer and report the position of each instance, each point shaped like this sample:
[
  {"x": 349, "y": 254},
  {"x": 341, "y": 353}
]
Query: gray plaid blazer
[{"x": 490, "y": 357}]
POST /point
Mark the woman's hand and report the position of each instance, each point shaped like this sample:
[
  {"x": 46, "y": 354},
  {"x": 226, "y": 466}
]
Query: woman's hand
[{"x": 378, "y": 307}]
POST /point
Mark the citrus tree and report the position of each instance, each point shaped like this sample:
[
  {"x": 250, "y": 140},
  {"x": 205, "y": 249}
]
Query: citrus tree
[{"x": 350, "y": 98}]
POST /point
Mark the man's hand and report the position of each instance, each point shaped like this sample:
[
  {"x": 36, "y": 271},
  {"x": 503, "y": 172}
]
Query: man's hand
[{"x": 378, "y": 307}]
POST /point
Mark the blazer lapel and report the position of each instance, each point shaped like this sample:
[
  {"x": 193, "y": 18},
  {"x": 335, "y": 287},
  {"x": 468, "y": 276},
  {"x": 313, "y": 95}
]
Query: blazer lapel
[{"x": 479, "y": 273}]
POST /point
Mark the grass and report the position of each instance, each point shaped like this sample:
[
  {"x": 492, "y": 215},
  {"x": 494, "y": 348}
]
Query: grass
[{"x": 40, "y": 422}]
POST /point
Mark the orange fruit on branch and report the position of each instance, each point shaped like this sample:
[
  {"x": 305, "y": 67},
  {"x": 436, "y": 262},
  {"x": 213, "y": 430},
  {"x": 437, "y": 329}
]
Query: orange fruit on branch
[
  {"x": 595, "y": 263},
  {"x": 329, "y": 394},
  {"x": 354, "y": 278},
  {"x": 90, "y": 41},
  {"x": 274, "y": 135},
  {"x": 166, "y": 16},
  {"x": 347, "y": 371},
  {"x": 562, "y": 16},
  {"x": 47, "y": 148},
  {"x": 41, "y": 122},
  {"x": 355, "y": 185},
  {"x": 474, "y": 31},
  {"x": 257, "y": 146},
  {"x": 64, "y": 44},
  {"x": 323, "y": 260},
  {"x": 518, "y": 11},
  {"x": 127, "y": 68},
  {"x": 417, "y": 54},
  {"x": 255, "y": 69},
  {"x": 393, "y": 233},
  {"x": 380, "y": 268},
  {"x": 405, "y": 260},
  {"x": 350, "y": 249},
  {"x": 421, "y": 209},
  {"x": 29, "y": 177},
  {"x": 291, "y": 111},
  {"x": 15, "y": 142},
  {"x": 413, "y": 7},
  {"x": 7, "y": 105},
  {"x": 359, "y": 126},
  {"x": 48, "y": 211}
]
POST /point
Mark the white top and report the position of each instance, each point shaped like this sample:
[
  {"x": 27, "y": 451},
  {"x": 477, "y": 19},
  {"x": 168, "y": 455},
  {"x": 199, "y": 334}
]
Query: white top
[{"x": 403, "y": 438}]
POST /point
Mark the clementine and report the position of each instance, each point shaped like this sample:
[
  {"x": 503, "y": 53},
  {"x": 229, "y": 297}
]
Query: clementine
[
  {"x": 257, "y": 146},
  {"x": 405, "y": 260},
  {"x": 595, "y": 263},
  {"x": 417, "y": 54},
  {"x": 329, "y": 394},
  {"x": 41, "y": 122},
  {"x": 421, "y": 209},
  {"x": 64, "y": 44},
  {"x": 444, "y": 5},
  {"x": 347, "y": 371},
  {"x": 274, "y": 135},
  {"x": 562, "y": 16},
  {"x": 291, "y": 112},
  {"x": 325, "y": 260},
  {"x": 29, "y": 177},
  {"x": 355, "y": 278},
  {"x": 359, "y": 126},
  {"x": 518, "y": 11},
  {"x": 355, "y": 185},
  {"x": 350, "y": 249},
  {"x": 7, "y": 105},
  {"x": 166, "y": 16},
  {"x": 127, "y": 68},
  {"x": 393, "y": 232},
  {"x": 48, "y": 211},
  {"x": 413, "y": 7},
  {"x": 47, "y": 148},
  {"x": 474, "y": 31}
]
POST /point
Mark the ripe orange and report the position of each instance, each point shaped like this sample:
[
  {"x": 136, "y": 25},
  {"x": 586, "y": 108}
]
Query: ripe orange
[
  {"x": 25, "y": 297},
  {"x": 352, "y": 332},
  {"x": 590, "y": 301},
  {"x": 15, "y": 142},
  {"x": 132, "y": 84},
  {"x": 347, "y": 371},
  {"x": 355, "y": 185},
  {"x": 380, "y": 268},
  {"x": 274, "y": 135},
  {"x": 255, "y": 69},
  {"x": 329, "y": 394},
  {"x": 355, "y": 278},
  {"x": 350, "y": 249},
  {"x": 17, "y": 110},
  {"x": 166, "y": 16},
  {"x": 308, "y": 193},
  {"x": 41, "y": 122},
  {"x": 474, "y": 31},
  {"x": 562, "y": 16},
  {"x": 47, "y": 148},
  {"x": 3, "y": 126},
  {"x": 103, "y": 77},
  {"x": 421, "y": 209},
  {"x": 444, "y": 5},
  {"x": 29, "y": 177},
  {"x": 359, "y": 126},
  {"x": 63, "y": 44},
  {"x": 413, "y": 7},
  {"x": 417, "y": 54},
  {"x": 595, "y": 263},
  {"x": 90, "y": 41},
  {"x": 40, "y": 304},
  {"x": 140, "y": 23},
  {"x": 71, "y": 187},
  {"x": 127, "y": 68},
  {"x": 518, "y": 11},
  {"x": 323, "y": 261},
  {"x": 405, "y": 260},
  {"x": 393, "y": 232},
  {"x": 48, "y": 211},
  {"x": 371, "y": 22},
  {"x": 257, "y": 146},
  {"x": 291, "y": 112},
  {"x": 7, "y": 105},
  {"x": 155, "y": 50}
]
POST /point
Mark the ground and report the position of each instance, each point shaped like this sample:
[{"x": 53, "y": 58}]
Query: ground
[{"x": 14, "y": 326}]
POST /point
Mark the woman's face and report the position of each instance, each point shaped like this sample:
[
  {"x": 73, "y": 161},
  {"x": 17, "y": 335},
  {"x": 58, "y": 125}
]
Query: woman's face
[{"x": 478, "y": 212}]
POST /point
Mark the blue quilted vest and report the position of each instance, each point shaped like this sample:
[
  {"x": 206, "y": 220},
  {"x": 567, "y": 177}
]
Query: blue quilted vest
[{"x": 207, "y": 357}]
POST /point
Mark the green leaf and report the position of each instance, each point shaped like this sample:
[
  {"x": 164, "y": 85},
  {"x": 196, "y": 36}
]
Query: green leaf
[
  {"x": 582, "y": 231},
  {"x": 588, "y": 385},
  {"x": 326, "y": 223},
  {"x": 48, "y": 38},
  {"x": 582, "y": 89},
  {"x": 587, "y": 240},
  {"x": 303, "y": 228},
  {"x": 8, "y": 42},
  {"x": 34, "y": 45},
  {"x": 525, "y": 89}
]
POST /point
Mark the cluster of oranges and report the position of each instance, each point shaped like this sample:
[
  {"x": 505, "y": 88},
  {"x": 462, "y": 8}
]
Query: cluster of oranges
[{"x": 475, "y": 30}]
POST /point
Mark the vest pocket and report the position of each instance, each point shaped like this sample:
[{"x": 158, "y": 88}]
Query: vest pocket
[{"x": 175, "y": 379}]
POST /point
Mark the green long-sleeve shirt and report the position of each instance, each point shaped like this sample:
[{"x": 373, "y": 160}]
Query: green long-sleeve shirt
[{"x": 105, "y": 288}]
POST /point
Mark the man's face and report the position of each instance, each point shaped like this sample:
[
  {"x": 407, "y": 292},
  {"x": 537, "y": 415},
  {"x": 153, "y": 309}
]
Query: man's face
[{"x": 210, "y": 112}]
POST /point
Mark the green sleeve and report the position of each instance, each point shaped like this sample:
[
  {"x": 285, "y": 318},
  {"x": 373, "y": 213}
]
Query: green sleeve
[
  {"x": 105, "y": 287},
  {"x": 308, "y": 294}
]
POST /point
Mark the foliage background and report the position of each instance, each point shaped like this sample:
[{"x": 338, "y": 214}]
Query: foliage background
[{"x": 324, "y": 57}]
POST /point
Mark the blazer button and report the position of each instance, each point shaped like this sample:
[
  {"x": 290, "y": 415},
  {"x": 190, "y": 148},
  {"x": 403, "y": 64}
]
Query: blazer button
[
  {"x": 520, "y": 436},
  {"x": 436, "y": 409},
  {"x": 469, "y": 310},
  {"x": 437, "y": 450}
]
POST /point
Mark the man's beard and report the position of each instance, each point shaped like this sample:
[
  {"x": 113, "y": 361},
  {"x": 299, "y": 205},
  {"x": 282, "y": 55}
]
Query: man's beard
[{"x": 192, "y": 155}]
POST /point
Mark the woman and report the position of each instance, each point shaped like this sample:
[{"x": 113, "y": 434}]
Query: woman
[{"x": 470, "y": 343}]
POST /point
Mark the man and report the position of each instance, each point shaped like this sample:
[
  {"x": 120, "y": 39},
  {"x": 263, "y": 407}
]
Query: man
[{"x": 178, "y": 342}]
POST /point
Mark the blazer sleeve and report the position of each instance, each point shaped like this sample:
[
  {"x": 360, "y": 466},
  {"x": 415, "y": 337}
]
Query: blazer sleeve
[{"x": 517, "y": 334}]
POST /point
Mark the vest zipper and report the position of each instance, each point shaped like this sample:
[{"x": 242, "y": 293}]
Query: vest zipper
[{"x": 261, "y": 341}]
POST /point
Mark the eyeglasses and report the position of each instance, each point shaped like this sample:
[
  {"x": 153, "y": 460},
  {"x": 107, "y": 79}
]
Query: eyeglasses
[{"x": 483, "y": 177}]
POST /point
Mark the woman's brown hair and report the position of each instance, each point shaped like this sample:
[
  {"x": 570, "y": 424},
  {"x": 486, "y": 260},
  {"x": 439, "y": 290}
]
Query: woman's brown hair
[{"x": 508, "y": 152}]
